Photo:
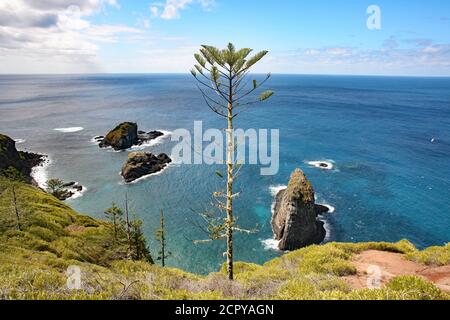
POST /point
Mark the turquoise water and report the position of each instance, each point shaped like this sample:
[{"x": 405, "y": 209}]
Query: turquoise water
[{"x": 390, "y": 180}]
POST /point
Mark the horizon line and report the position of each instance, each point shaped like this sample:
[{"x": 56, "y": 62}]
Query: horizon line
[{"x": 256, "y": 73}]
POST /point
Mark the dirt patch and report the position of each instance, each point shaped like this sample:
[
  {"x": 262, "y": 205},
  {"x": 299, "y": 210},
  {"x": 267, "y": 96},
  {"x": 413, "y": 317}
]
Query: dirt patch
[
  {"x": 372, "y": 265},
  {"x": 75, "y": 228}
]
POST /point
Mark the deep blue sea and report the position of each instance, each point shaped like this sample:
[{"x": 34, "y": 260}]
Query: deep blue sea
[{"x": 388, "y": 137}]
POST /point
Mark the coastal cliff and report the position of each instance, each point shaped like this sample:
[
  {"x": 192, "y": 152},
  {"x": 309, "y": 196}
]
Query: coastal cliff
[
  {"x": 54, "y": 237},
  {"x": 17, "y": 164},
  {"x": 294, "y": 220}
]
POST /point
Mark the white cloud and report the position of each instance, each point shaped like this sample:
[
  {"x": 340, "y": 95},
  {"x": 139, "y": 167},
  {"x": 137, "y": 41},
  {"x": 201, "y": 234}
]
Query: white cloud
[
  {"x": 391, "y": 43},
  {"x": 338, "y": 51},
  {"x": 170, "y": 59},
  {"x": 418, "y": 60},
  {"x": 154, "y": 11},
  {"x": 171, "y": 8},
  {"x": 312, "y": 52},
  {"x": 49, "y": 36},
  {"x": 432, "y": 49}
]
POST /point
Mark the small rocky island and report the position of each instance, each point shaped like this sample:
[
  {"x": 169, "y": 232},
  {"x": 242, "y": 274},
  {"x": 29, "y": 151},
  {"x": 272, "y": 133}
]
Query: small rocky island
[
  {"x": 17, "y": 164},
  {"x": 126, "y": 135},
  {"x": 294, "y": 218},
  {"x": 64, "y": 190},
  {"x": 141, "y": 164}
]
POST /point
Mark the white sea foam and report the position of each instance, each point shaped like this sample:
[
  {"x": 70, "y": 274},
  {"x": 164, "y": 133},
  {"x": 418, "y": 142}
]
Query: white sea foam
[
  {"x": 327, "y": 228},
  {"x": 95, "y": 141},
  {"x": 331, "y": 209},
  {"x": 69, "y": 130},
  {"x": 276, "y": 188},
  {"x": 39, "y": 173},
  {"x": 324, "y": 165},
  {"x": 270, "y": 244},
  {"x": 77, "y": 194},
  {"x": 19, "y": 141},
  {"x": 319, "y": 200},
  {"x": 274, "y": 191},
  {"x": 153, "y": 142}
]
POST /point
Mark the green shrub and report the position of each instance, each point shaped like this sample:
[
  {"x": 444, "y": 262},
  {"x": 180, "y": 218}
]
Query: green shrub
[
  {"x": 438, "y": 256},
  {"x": 416, "y": 288},
  {"x": 34, "y": 260},
  {"x": 42, "y": 233}
]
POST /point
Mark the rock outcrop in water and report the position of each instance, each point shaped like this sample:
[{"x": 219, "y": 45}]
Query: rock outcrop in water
[
  {"x": 126, "y": 135},
  {"x": 140, "y": 164},
  {"x": 17, "y": 164},
  {"x": 68, "y": 190},
  {"x": 294, "y": 220}
]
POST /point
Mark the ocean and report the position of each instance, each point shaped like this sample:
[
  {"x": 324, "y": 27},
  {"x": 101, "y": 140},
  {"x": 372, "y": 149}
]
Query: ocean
[{"x": 388, "y": 139}]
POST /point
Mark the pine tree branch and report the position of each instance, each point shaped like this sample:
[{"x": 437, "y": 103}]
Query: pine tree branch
[
  {"x": 239, "y": 87},
  {"x": 206, "y": 85},
  {"x": 209, "y": 79},
  {"x": 247, "y": 231},
  {"x": 211, "y": 99},
  {"x": 215, "y": 110},
  {"x": 254, "y": 88}
]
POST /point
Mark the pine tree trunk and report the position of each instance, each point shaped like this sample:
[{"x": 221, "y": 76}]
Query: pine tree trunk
[
  {"x": 163, "y": 242},
  {"x": 16, "y": 210},
  {"x": 229, "y": 205},
  {"x": 128, "y": 226},
  {"x": 115, "y": 227},
  {"x": 136, "y": 243}
]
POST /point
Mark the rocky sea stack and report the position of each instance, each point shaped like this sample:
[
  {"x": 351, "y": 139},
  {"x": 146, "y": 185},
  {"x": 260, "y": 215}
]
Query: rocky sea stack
[
  {"x": 294, "y": 220},
  {"x": 17, "y": 164},
  {"x": 126, "y": 135},
  {"x": 141, "y": 164}
]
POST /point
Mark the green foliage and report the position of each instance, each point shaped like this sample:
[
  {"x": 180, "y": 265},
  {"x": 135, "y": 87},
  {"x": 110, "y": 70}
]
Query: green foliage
[
  {"x": 34, "y": 260},
  {"x": 48, "y": 225},
  {"x": 139, "y": 246},
  {"x": 241, "y": 268},
  {"x": 266, "y": 95},
  {"x": 56, "y": 188},
  {"x": 438, "y": 256},
  {"x": 160, "y": 236},
  {"x": 253, "y": 60},
  {"x": 416, "y": 288},
  {"x": 221, "y": 74},
  {"x": 12, "y": 174},
  {"x": 119, "y": 132},
  {"x": 115, "y": 215},
  {"x": 312, "y": 287},
  {"x": 3, "y": 140},
  {"x": 300, "y": 188}
]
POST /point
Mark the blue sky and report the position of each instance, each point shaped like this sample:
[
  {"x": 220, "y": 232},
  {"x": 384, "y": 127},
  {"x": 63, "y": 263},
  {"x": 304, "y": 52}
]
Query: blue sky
[{"x": 312, "y": 37}]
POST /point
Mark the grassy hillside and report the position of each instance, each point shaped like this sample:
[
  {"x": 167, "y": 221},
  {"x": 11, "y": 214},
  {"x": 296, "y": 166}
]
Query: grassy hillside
[{"x": 34, "y": 260}]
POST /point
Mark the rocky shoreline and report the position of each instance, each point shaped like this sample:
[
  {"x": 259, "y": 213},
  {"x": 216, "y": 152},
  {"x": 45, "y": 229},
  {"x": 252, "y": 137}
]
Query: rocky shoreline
[
  {"x": 18, "y": 164},
  {"x": 125, "y": 136},
  {"x": 294, "y": 218},
  {"x": 70, "y": 190},
  {"x": 140, "y": 164}
]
